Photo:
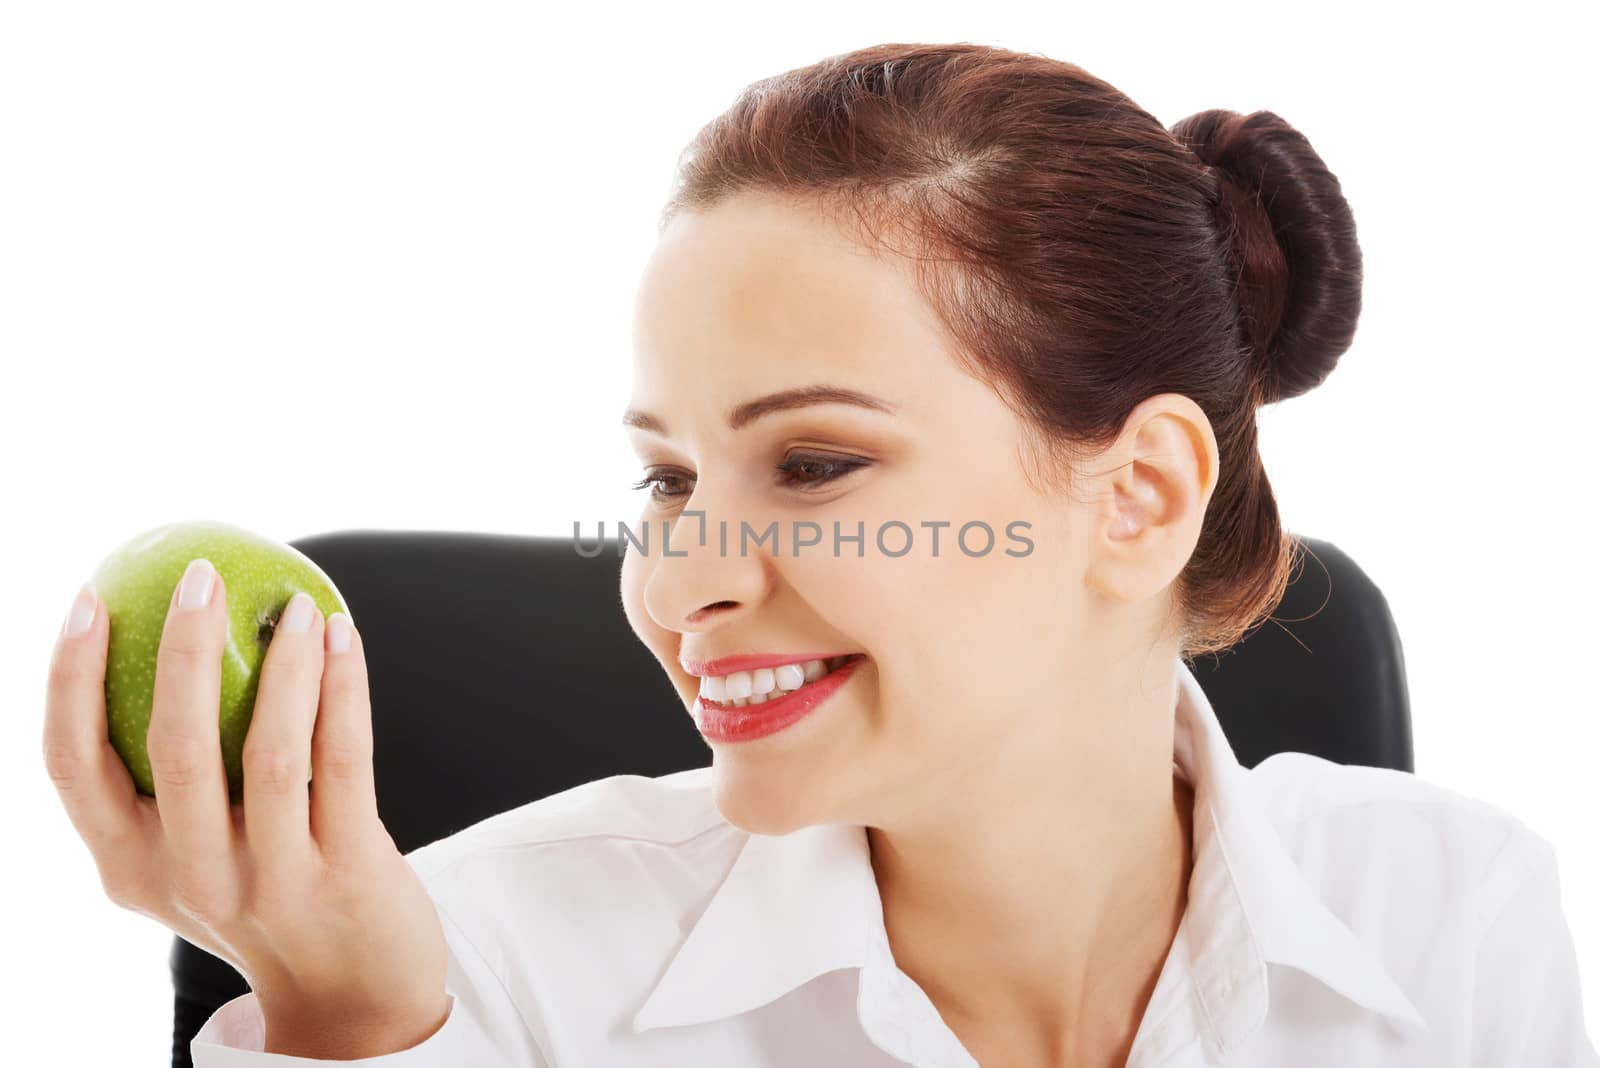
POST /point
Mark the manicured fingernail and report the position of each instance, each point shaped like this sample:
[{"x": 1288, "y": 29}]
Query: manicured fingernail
[
  {"x": 198, "y": 582},
  {"x": 81, "y": 614},
  {"x": 338, "y": 632},
  {"x": 297, "y": 616}
]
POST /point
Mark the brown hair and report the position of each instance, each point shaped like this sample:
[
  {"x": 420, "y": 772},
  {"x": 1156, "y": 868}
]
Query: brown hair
[{"x": 1082, "y": 257}]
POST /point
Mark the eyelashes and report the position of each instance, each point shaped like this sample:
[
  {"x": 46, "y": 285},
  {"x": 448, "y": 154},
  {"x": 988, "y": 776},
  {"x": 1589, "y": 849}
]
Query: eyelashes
[{"x": 802, "y": 471}]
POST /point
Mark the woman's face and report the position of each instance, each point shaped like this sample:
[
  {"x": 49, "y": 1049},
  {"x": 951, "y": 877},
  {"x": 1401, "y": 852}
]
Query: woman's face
[{"x": 759, "y": 296}]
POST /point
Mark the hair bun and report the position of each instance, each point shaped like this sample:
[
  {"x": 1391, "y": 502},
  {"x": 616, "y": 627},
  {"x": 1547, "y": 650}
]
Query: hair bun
[{"x": 1292, "y": 241}]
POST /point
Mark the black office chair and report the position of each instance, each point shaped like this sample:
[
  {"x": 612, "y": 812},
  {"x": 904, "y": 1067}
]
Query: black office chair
[{"x": 481, "y": 649}]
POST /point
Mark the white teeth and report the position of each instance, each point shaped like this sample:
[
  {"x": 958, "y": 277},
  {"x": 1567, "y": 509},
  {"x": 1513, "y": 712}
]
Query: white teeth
[{"x": 763, "y": 684}]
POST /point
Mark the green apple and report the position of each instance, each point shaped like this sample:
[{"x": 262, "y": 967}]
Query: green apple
[{"x": 136, "y": 582}]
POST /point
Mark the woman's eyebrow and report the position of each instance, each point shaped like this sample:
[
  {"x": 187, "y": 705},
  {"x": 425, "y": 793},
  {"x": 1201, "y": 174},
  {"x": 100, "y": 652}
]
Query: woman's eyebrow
[{"x": 783, "y": 400}]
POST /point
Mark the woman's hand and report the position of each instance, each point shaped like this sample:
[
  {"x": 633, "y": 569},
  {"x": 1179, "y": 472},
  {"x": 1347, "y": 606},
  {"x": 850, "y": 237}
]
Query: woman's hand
[{"x": 302, "y": 890}]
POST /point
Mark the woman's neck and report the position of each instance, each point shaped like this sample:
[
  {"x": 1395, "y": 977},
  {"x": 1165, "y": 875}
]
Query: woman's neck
[{"x": 1038, "y": 913}]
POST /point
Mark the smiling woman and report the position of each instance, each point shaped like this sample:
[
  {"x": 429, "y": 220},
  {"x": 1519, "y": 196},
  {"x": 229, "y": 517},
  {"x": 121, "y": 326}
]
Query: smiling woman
[{"x": 973, "y": 807}]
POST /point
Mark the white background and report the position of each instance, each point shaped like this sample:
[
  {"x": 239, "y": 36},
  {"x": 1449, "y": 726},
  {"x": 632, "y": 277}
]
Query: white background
[{"x": 307, "y": 267}]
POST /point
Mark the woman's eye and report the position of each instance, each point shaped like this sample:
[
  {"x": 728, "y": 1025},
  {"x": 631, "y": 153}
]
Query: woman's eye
[
  {"x": 803, "y": 470},
  {"x": 654, "y": 479},
  {"x": 798, "y": 471}
]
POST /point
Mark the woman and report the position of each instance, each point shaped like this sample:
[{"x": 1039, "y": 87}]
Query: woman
[{"x": 906, "y": 295}]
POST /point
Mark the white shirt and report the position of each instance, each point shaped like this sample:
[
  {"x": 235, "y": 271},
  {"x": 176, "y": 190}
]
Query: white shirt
[{"x": 1337, "y": 916}]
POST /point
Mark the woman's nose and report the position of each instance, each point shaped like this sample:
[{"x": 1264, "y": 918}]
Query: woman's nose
[{"x": 697, "y": 577}]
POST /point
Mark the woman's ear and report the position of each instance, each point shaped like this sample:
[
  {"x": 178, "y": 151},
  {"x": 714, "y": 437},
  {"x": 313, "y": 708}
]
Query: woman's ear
[{"x": 1151, "y": 489}]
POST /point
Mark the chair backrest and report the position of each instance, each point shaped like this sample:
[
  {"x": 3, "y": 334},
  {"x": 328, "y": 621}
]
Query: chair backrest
[{"x": 503, "y": 670}]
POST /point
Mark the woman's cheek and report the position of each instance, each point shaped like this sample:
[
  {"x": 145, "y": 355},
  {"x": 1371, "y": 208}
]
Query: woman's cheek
[{"x": 844, "y": 593}]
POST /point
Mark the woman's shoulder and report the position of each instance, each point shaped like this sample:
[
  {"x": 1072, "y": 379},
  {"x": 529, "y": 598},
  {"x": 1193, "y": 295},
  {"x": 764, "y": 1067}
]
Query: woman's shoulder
[
  {"x": 575, "y": 902},
  {"x": 1297, "y": 787},
  {"x": 623, "y": 861},
  {"x": 1457, "y": 898},
  {"x": 619, "y": 812},
  {"x": 1343, "y": 820}
]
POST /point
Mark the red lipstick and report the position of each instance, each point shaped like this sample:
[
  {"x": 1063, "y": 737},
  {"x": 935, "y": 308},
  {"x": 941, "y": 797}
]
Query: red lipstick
[{"x": 721, "y": 722}]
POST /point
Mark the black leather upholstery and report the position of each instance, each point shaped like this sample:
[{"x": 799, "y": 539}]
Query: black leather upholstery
[{"x": 502, "y": 670}]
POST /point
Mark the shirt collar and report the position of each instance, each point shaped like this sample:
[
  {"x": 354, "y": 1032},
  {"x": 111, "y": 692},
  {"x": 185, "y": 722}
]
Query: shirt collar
[
  {"x": 793, "y": 907},
  {"x": 1249, "y": 902}
]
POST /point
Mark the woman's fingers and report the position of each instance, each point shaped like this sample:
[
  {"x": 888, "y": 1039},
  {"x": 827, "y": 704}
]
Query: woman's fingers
[
  {"x": 318, "y": 909},
  {"x": 344, "y": 802},
  {"x": 184, "y": 739},
  {"x": 95, "y": 787},
  {"x": 277, "y": 747}
]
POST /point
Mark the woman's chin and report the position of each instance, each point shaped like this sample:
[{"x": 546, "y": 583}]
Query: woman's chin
[{"x": 754, "y": 804}]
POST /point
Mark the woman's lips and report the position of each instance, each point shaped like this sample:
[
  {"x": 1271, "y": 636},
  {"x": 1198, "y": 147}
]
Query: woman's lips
[{"x": 721, "y": 721}]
